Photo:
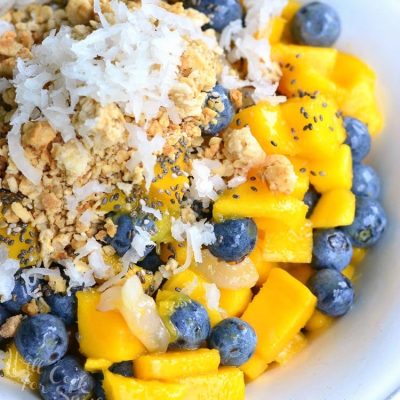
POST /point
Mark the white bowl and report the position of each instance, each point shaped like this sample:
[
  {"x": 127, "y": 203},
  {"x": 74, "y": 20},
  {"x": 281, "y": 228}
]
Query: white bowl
[{"x": 358, "y": 357}]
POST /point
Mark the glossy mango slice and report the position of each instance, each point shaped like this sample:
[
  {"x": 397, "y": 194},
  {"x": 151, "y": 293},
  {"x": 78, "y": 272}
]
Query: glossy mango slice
[
  {"x": 303, "y": 181},
  {"x": 263, "y": 267},
  {"x": 104, "y": 334},
  {"x": 226, "y": 384},
  {"x": 177, "y": 364},
  {"x": 284, "y": 243},
  {"x": 254, "y": 199},
  {"x": 277, "y": 313},
  {"x": 254, "y": 367},
  {"x": 334, "y": 208},
  {"x": 302, "y": 272},
  {"x": 97, "y": 364},
  {"x": 358, "y": 255},
  {"x": 349, "y": 272},
  {"x": 335, "y": 172},
  {"x": 298, "y": 343},
  {"x": 234, "y": 302},
  {"x": 118, "y": 387},
  {"x": 318, "y": 321},
  {"x": 17, "y": 369}
]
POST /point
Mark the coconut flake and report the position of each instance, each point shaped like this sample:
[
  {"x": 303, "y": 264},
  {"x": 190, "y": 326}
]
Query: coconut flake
[
  {"x": 87, "y": 217},
  {"x": 77, "y": 277},
  {"x": 150, "y": 210},
  {"x": 34, "y": 273},
  {"x": 212, "y": 296},
  {"x": 8, "y": 268},
  {"x": 6, "y": 27},
  {"x": 236, "y": 181}
]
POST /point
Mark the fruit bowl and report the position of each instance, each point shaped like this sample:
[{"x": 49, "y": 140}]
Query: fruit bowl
[{"x": 357, "y": 358}]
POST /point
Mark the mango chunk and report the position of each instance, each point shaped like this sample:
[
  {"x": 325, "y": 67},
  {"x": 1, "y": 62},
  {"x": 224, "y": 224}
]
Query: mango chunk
[
  {"x": 118, "y": 387},
  {"x": 358, "y": 255},
  {"x": 283, "y": 243},
  {"x": 318, "y": 321},
  {"x": 277, "y": 313},
  {"x": 226, "y": 384},
  {"x": 334, "y": 208},
  {"x": 314, "y": 121},
  {"x": 97, "y": 364},
  {"x": 254, "y": 367},
  {"x": 302, "y": 272},
  {"x": 17, "y": 369},
  {"x": 349, "y": 272},
  {"x": 268, "y": 127},
  {"x": 176, "y": 365},
  {"x": 275, "y": 30},
  {"x": 195, "y": 287},
  {"x": 104, "y": 334},
  {"x": 303, "y": 180},
  {"x": 254, "y": 199},
  {"x": 335, "y": 172},
  {"x": 298, "y": 343},
  {"x": 263, "y": 267},
  {"x": 234, "y": 302}
]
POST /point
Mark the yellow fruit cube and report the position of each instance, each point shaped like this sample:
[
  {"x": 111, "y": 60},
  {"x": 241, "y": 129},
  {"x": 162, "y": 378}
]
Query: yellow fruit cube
[
  {"x": 97, "y": 364},
  {"x": 334, "y": 208},
  {"x": 335, "y": 172},
  {"x": 302, "y": 272},
  {"x": 283, "y": 243},
  {"x": 177, "y": 364},
  {"x": 104, "y": 334},
  {"x": 17, "y": 369},
  {"x": 268, "y": 127},
  {"x": 226, "y": 384},
  {"x": 196, "y": 288},
  {"x": 298, "y": 343},
  {"x": 278, "y": 311},
  {"x": 290, "y": 9},
  {"x": 254, "y": 367},
  {"x": 314, "y": 121},
  {"x": 118, "y": 387},
  {"x": 275, "y": 30},
  {"x": 318, "y": 321},
  {"x": 263, "y": 267},
  {"x": 303, "y": 181},
  {"x": 174, "y": 249},
  {"x": 349, "y": 272},
  {"x": 358, "y": 255},
  {"x": 234, "y": 302},
  {"x": 254, "y": 199}
]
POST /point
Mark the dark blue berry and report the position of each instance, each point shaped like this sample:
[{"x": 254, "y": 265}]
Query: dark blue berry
[
  {"x": 332, "y": 249},
  {"x": 42, "y": 339},
  {"x": 122, "y": 240},
  {"x": 20, "y": 295},
  {"x": 192, "y": 325},
  {"x": 63, "y": 306},
  {"x": 369, "y": 223},
  {"x": 358, "y": 138},
  {"x": 124, "y": 368},
  {"x": 333, "y": 290},
  {"x": 220, "y": 12},
  {"x": 98, "y": 390},
  {"x": 366, "y": 182},
  {"x": 65, "y": 380},
  {"x": 310, "y": 199},
  {"x": 316, "y": 24},
  {"x": 235, "y": 239},
  {"x": 234, "y": 339},
  {"x": 151, "y": 262},
  {"x": 218, "y": 100},
  {"x": 4, "y": 314}
]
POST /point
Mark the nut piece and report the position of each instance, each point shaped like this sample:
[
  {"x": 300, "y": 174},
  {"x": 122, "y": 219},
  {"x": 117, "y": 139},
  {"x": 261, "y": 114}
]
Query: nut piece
[
  {"x": 9, "y": 328},
  {"x": 21, "y": 212},
  {"x": 79, "y": 11},
  {"x": 37, "y": 134},
  {"x": 279, "y": 173}
]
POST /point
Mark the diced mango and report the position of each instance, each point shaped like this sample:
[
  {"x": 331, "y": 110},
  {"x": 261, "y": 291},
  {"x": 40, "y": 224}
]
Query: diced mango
[
  {"x": 163, "y": 226},
  {"x": 290, "y": 9},
  {"x": 118, "y": 387},
  {"x": 278, "y": 311},
  {"x": 226, "y": 384},
  {"x": 318, "y": 321},
  {"x": 349, "y": 272},
  {"x": 97, "y": 364},
  {"x": 268, "y": 127},
  {"x": 303, "y": 181},
  {"x": 104, "y": 334},
  {"x": 177, "y": 364},
  {"x": 17, "y": 369},
  {"x": 302, "y": 272},
  {"x": 298, "y": 343},
  {"x": 275, "y": 30},
  {"x": 234, "y": 302},
  {"x": 196, "y": 288},
  {"x": 263, "y": 267},
  {"x": 334, "y": 208},
  {"x": 358, "y": 255},
  {"x": 335, "y": 172},
  {"x": 315, "y": 122},
  {"x": 254, "y": 367},
  {"x": 254, "y": 199},
  {"x": 283, "y": 243},
  {"x": 174, "y": 249}
]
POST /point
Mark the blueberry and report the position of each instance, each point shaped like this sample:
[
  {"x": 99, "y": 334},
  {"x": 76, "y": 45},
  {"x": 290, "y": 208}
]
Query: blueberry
[
  {"x": 63, "y": 306},
  {"x": 42, "y": 339},
  {"x": 122, "y": 240},
  {"x": 192, "y": 325},
  {"x": 218, "y": 100},
  {"x": 65, "y": 380},
  {"x": 220, "y": 12},
  {"x": 358, "y": 138},
  {"x": 124, "y": 368},
  {"x": 332, "y": 249},
  {"x": 151, "y": 262},
  {"x": 234, "y": 339},
  {"x": 20, "y": 295},
  {"x": 235, "y": 239},
  {"x": 310, "y": 199},
  {"x": 369, "y": 223},
  {"x": 334, "y": 292},
  {"x": 98, "y": 390},
  {"x": 4, "y": 314},
  {"x": 366, "y": 182},
  {"x": 316, "y": 24}
]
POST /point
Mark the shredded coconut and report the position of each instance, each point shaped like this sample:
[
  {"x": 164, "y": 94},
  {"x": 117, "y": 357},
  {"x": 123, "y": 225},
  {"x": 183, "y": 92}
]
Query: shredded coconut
[
  {"x": 8, "y": 269},
  {"x": 34, "y": 273},
  {"x": 150, "y": 210},
  {"x": 212, "y": 296},
  {"x": 77, "y": 277}
]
